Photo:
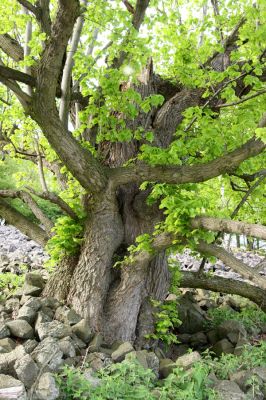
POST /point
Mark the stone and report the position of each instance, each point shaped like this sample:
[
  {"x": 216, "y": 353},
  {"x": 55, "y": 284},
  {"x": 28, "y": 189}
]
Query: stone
[
  {"x": 166, "y": 367},
  {"x": 77, "y": 342},
  {"x": 33, "y": 302},
  {"x": 12, "y": 305},
  {"x": 198, "y": 339},
  {"x": 7, "y": 360},
  {"x": 233, "y": 328},
  {"x": 83, "y": 331},
  {"x": 4, "y": 331},
  {"x": 50, "y": 302},
  {"x": 240, "y": 346},
  {"x": 140, "y": 356},
  {"x": 27, "y": 313},
  {"x": 67, "y": 347},
  {"x": 153, "y": 363},
  {"x": 93, "y": 380},
  {"x": 26, "y": 370},
  {"x": 120, "y": 353},
  {"x": 30, "y": 345},
  {"x": 223, "y": 346},
  {"x": 42, "y": 318},
  {"x": 212, "y": 336},
  {"x": 48, "y": 355},
  {"x": 192, "y": 316},
  {"x": 229, "y": 390},
  {"x": 98, "y": 361},
  {"x": 47, "y": 388},
  {"x": 178, "y": 350},
  {"x": 96, "y": 343},
  {"x": 11, "y": 388},
  {"x": 20, "y": 328},
  {"x": 34, "y": 279},
  {"x": 30, "y": 290},
  {"x": 7, "y": 345},
  {"x": 67, "y": 315},
  {"x": 53, "y": 329},
  {"x": 187, "y": 360}
]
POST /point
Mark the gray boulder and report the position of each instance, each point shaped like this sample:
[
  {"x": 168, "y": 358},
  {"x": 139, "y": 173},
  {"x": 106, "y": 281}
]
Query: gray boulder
[
  {"x": 11, "y": 388},
  {"x": 46, "y": 388},
  {"x": 4, "y": 331},
  {"x": 48, "y": 355},
  {"x": 228, "y": 390},
  {"x": 7, "y": 360},
  {"x": 67, "y": 315},
  {"x": 223, "y": 346},
  {"x": 27, "y": 313},
  {"x": 120, "y": 353},
  {"x": 232, "y": 330},
  {"x": 26, "y": 370},
  {"x": 53, "y": 329},
  {"x": 20, "y": 328},
  {"x": 7, "y": 345},
  {"x": 67, "y": 347},
  {"x": 34, "y": 279},
  {"x": 83, "y": 331},
  {"x": 192, "y": 317}
]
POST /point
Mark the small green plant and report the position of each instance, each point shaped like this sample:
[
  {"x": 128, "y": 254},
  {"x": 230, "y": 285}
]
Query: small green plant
[
  {"x": 66, "y": 240},
  {"x": 10, "y": 281},
  {"x": 124, "y": 381},
  {"x": 166, "y": 318},
  {"x": 251, "y": 357},
  {"x": 252, "y": 317}
]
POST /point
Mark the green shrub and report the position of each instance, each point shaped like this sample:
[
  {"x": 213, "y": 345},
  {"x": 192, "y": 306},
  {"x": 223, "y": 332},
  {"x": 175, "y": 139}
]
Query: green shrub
[
  {"x": 130, "y": 381},
  {"x": 10, "y": 281},
  {"x": 252, "y": 317}
]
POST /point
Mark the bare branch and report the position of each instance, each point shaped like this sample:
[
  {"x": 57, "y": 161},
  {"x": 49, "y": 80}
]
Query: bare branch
[
  {"x": 66, "y": 79},
  {"x": 235, "y": 103},
  {"x": 224, "y": 285},
  {"x": 232, "y": 262},
  {"x": 54, "y": 198},
  {"x": 27, "y": 199},
  {"x": 129, "y": 7}
]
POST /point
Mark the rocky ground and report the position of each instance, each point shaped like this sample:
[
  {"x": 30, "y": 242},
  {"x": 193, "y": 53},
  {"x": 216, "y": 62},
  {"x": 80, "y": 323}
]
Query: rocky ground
[{"x": 38, "y": 336}]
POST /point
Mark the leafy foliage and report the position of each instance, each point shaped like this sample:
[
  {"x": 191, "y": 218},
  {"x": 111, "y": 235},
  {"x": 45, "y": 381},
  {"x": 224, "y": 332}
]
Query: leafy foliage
[
  {"x": 11, "y": 282},
  {"x": 129, "y": 380}
]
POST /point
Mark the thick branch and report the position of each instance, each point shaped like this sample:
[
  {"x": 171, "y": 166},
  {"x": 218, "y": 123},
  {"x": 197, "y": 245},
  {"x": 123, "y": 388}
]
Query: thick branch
[
  {"x": 188, "y": 174},
  {"x": 79, "y": 161},
  {"x": 224, "y": 285},
  {"x": 13, "y": 74},
  {"x": 226, "y": 225},
  {"x": 28, "y": 6},
  {"x": 28, "y": 228},
  {"x": 11, "y": 47},
  {"x": 232, "y": 262},
  {"x": 139, "y": 13}
]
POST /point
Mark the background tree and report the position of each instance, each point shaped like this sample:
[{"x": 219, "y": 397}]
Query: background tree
[{"x": 145, "y": 123}]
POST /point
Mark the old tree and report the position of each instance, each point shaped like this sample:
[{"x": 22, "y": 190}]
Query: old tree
[{"x": 144, "y": 123}]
